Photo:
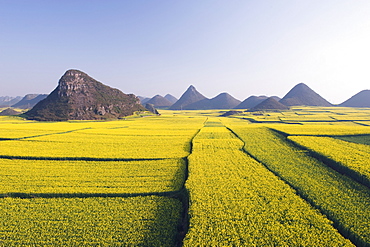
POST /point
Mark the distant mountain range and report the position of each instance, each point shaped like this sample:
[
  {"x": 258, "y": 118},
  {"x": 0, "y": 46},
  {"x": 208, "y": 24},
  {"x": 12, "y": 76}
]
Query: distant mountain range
[
  {"x": 300, "y": 94},
  {"x": 252, "y": 101},
  {"x": 270, "y": 104},
  {"x": 78, "y": 96},
  {"x": 29, "y": 101},
  {"x": 159, "y": 101},
  {"x": 193, "y": 100},
  {"x": 7, "y": 101},
  {"x": 221, "y": 101}
]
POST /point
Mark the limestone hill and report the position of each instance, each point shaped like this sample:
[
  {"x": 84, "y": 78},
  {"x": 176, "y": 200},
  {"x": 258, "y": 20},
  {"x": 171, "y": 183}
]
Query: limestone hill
[
  {"x": 7, "y": 101},
  {"x": 221, "y": 101},
  {"x": 80, "y": 97},
  {"x": 276, "y": 98},
  {"x": 29, "y": 101},
  {"x": 9, "y": 112},
  {"x": 301, "y": 94},
  {"x": 190, "y": 96},
  {"x": 143, "y": 100},
  {"x": 250, "y": 102},
  {"x": 171, "y": 98},
  {"x": 151, "y": 108},
  {"x": 159, "y": 101},
  {"x": 230, "y": 113},
  {"x": 361, "y": 99},
  {"x": 270, "y": 104}
]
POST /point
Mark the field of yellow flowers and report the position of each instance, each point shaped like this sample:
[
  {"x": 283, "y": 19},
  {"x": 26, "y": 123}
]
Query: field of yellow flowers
[{"x": 188, "y": 178}]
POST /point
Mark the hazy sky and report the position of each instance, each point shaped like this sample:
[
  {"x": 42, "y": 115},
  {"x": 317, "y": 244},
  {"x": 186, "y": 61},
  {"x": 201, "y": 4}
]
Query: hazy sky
[{"x": 149, "y": 47}]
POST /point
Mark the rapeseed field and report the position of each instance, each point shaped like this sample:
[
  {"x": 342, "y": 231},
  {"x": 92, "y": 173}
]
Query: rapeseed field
[{"x": 192, "y": 178}]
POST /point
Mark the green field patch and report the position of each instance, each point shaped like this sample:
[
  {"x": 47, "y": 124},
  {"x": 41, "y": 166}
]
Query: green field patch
[
  {"x": 351, "y": 159},
  {"x": 360, "y": 139}
]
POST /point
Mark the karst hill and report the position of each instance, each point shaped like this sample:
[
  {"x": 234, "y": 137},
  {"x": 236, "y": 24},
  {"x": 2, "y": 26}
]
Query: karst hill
[
  {"x": 269, "y": 104},
  {"x": 159, "y": 101},
  {"x": 190, "y": 96},
  {"x": 301, "y": 94},
  {"x": 221, "y": 101},
  {"x": 80, "y": 97},
  {"x": 252, "y": 101},
  {"x": 361, "y": 99},
  {"x": 29, "y": 101},
  {"x": 7, "y": 101},
  {"x": 170, "y": 98}
]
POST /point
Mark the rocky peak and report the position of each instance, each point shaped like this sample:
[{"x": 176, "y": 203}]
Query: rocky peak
[
  {"x": 192, "y": 88},
  {"x": 80, "y": 97},
  {"x": 301, "y": 94},
  {"x": 190, "y": 96},
  {"x": 74, "y": 81},
  {"x": 30, "y": 96},
  {"x": 361, "y": 99}
]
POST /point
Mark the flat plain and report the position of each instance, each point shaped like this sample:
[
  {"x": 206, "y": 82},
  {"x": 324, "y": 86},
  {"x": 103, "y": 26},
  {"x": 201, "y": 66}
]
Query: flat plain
[{"x": 192, "y": 178}]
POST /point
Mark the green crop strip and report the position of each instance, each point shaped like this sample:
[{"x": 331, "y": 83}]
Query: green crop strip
[
  {"x": 341, "y": 199},
  {"x": 235, "y": 200}
]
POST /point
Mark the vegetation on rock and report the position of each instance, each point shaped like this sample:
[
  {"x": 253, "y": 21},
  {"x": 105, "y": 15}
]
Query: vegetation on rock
[{"x": 80, "y": 97}]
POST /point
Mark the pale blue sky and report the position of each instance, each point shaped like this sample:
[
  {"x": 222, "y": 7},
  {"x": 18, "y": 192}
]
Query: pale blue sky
[{"x": 158, "y": 47}]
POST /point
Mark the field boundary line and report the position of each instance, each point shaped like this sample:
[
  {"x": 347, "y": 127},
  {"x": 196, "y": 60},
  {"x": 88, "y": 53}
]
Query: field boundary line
[
  {"x": 184, "y": 195},
  {"x": 79, "y": 158},
  {"x": 336, "y": 224},
  {"x": 336, "y": 166},
  {"x": 49, "y": 134},
  {"x": 171, "y": 194}
]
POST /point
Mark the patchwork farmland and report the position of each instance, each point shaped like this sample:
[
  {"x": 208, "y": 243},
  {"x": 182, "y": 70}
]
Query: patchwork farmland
[{"x": 188, "y": 178}]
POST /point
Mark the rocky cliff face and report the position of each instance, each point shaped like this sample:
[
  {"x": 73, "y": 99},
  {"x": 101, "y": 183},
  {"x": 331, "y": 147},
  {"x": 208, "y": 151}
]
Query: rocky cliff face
[
  {"x": 80, "y": 97},
  {"x": 151, "y": 108}
]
